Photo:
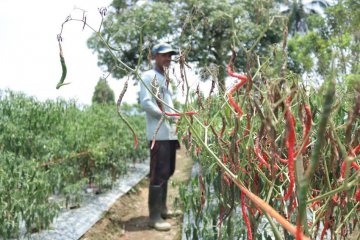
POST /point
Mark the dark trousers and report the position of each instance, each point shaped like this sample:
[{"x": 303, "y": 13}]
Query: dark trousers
[{"x": 162, "y": 161}]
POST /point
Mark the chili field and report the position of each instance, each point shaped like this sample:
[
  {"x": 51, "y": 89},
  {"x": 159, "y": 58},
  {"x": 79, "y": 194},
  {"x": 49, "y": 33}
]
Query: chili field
[{"x": 57, "y": 149}]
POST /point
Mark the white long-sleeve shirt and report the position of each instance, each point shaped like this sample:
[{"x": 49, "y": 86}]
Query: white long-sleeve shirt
[{"x": 167, "y": 130}]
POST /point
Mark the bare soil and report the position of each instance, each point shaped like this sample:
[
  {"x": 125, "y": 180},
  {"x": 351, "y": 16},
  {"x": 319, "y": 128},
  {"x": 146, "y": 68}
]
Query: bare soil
[{"x": 127, "y": 219}]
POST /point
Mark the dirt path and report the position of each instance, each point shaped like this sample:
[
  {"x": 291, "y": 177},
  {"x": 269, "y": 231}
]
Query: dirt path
[{"x": 127, "y": 219}]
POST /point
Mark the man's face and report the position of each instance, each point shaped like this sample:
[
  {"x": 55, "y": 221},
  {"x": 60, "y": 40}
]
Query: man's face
[{"x": 163, "y": 60}]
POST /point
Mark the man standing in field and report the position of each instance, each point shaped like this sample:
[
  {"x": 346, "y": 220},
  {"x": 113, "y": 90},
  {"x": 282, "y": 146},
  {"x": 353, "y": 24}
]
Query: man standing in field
[{"x": 163, "y": 152}]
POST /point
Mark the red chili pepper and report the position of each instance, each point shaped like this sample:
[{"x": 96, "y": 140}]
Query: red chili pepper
[
  {"x": 221, "y": 215},
  {"x": 298, "y": 231},
  {"x": 290, "y": 143},
  {"x": 225, "y": 177},
  {"x": 179, "y": 114},
  {"x": 227, "y": 180},
  {"x": 281, "y": 159},
  {"x": 259, "y": 154},
  {"x": 243, "y": 80},
  {"x": 312, "y": 206},
  {"x": 356, "y": 149},
  {"x": 231, "y": 99},
  {"x": 256, "y": 184},
  {"x": 236, "y": 75},
  {"x": 357, "y": 195},
  {"x": 259, "y": 210},
  {"x": 136, "y": 141},
  {"x": 257, "y": 191},
  {"x": 307, "y": 128},
  {"x": 323, "y": 232},
  {"x": 354, "y": 165},
  {"x": 224, "y": 159},
  {"x": 335, "y": 199},
  {"x": 246, "y": 219},
  {"x": 251, "y": 210}
]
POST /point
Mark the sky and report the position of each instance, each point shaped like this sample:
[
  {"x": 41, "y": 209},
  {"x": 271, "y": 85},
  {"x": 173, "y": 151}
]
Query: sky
[{"x": 29, "y": 51}]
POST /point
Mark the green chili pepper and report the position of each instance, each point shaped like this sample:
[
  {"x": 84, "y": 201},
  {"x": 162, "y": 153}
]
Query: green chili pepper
[{"x": 64, "y": 69}]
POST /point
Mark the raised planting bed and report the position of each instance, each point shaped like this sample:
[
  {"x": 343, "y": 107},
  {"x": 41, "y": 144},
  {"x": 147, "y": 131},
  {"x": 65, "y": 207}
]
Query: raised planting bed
[{"x": 73, "y": 223}]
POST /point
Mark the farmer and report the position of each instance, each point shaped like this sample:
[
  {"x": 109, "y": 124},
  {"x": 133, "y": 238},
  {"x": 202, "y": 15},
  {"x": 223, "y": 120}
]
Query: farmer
[{"x": 163, "y": 152}]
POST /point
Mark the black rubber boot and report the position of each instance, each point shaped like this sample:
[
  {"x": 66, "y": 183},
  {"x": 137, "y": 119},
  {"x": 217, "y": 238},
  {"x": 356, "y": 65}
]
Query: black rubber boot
[
  {"x": 155, "y": 206},
  {"x": 165, "y": 212}
]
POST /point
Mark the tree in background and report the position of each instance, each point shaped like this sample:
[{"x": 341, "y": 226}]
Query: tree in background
[
  {"x": 299, "y": 11},
  {"x": 204, "y": 30},
  {"x": 103, "y": 93},
  {"x": 336, "y": 32},
  {"x": 129, "y": 31}
]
